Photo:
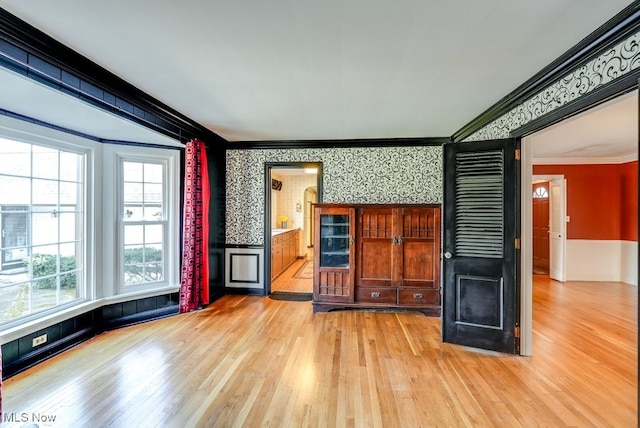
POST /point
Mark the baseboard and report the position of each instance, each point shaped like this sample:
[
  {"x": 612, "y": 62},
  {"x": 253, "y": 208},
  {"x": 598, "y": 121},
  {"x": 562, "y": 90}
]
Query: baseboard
[
  {"x": 245, "y": 291},
  {"x": 138, "y": 318},
  {"x": 45, "y": 352}
]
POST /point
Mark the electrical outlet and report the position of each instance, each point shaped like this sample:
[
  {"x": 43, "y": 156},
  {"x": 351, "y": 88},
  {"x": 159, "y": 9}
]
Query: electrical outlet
[{"x": 39, "y": 340}]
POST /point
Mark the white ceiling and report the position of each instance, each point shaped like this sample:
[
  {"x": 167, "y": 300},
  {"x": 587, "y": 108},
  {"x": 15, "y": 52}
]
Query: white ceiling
[
  {"x": 23, "y": 96},
  {"x": 608, "y": 132},
  {"x": 335, "y": 69}
]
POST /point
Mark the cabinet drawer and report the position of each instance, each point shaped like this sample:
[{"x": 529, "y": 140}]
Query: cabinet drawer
[
  {"x": 418, "y": 296},
  {"x": 276, "y": 240},
  {"x": 376, "y": 294}
]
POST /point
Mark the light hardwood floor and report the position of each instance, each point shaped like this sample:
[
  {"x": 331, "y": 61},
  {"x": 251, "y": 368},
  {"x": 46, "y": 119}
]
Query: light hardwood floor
[
  {"x": 288, "y": 281},
  {"x": 253, "y": 361}
]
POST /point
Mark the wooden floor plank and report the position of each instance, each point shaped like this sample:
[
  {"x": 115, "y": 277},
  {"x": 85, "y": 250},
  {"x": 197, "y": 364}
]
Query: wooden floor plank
[{"x": 252, "y": 361}]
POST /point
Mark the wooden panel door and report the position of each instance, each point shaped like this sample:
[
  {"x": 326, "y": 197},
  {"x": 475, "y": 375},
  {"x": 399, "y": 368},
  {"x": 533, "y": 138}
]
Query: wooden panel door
[
  {"x": 419, "y": 244},
  {"x": 541, "y": 228},
  {"x": 375, "y": 246},
  {"x": 481, "y": 227}
]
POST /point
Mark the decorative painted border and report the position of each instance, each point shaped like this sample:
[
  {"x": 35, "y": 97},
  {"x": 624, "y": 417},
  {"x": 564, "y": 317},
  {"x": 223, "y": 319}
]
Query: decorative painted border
[{"x": 612, "y": 64}]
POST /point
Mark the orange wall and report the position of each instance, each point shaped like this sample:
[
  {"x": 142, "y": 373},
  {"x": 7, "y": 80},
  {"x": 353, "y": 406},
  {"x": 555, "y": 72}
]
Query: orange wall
[
  {"x": 629, "y": 209},
  {"x": 602, "y": 200}
]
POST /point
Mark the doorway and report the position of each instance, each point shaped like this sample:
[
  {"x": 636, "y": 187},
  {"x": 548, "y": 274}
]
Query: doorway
[
  {"x": 293, "y": 189},
  {"x": 571, "y": 140},
  {"x": 540, "y": 194}
]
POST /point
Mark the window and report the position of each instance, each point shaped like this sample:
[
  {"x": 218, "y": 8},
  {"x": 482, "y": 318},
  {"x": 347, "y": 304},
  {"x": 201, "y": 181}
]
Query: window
[
  {"x": 144, "y": 221},
  {"x": 82, "y": 224},
  {"x": 145, "y": 218},
  {"x": 540, "y": 192},
  {"x": 42, "y": 219}
]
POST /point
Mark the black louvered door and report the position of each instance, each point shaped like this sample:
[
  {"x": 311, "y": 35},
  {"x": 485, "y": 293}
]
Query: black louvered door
[{"x": 480, "y": 259}]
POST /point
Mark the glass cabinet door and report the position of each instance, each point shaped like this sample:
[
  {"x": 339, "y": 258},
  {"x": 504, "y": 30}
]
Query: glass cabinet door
[{"x": 334, "y": 240}]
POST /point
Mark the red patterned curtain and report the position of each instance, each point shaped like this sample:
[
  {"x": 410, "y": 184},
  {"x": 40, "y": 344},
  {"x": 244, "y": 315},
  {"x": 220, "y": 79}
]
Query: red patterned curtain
[{"x": 194, "y": 284}]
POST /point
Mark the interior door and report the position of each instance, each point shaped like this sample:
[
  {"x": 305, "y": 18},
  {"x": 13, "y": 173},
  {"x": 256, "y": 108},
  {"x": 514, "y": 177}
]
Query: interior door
[
  {"x": 480, "y": 264},
  {"x": 557, "y": 232},
  {"x": 540, "y": 213}
]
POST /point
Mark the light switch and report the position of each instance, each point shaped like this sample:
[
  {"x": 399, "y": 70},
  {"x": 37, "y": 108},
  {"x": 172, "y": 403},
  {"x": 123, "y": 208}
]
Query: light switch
[{"x": 568, "y": 219}]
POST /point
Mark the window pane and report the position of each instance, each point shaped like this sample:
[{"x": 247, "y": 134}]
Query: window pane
[
  {"x": 153, "y": 193},
  {"x": 44, "y": 263},
  {"x": 69, "y": 257},
  {"x": 14, "y": 299},
  {"x": 153, "y": 234},
  {"x": 153, "y": 212},
  {"x": 15, "y": 191},
  {"x": 132, "y": 171},
  {"x": 44, "y": 296},
  {"x": 132, "y": 212},
  {"x": 45, "y": 162},
  {"x": 69, "y": 284},
  {"x": 69, "y": 196},
  {"x": 15, "y": 158},
  {"x": 153, "y": 173},
  {"x": 133, "y": 234},
  {"x": 44, "y": 228},
  {"x": 70, "y": 166},
  {"x": 69, "y": 227},
  {"x": 132, "y": 192},
  {"x": 45, "y": 192}
]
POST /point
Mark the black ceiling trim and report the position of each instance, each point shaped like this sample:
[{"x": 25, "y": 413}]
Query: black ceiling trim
[
  {"x": 607, "y": 92},
  {"x": 32, "y": 53},
  {"x": 609, "y": 34},
  {"x": 332, "y": 144}
]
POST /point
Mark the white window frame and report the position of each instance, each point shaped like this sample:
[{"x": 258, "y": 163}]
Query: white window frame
[
  {"x": 100, "y": 262},
  {"x": 27, "y": 133},
  {"x": 113, "y": 222}
]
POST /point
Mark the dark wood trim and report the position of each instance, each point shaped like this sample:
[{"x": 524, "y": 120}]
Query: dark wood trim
[
  {"x": 618, "y": 87},
  {"x": 257, "y": 247},
  {"x": 245, "y": 291},
  {"x": 617, "y": 28},
  {"x": 47, "y": 351},
  {"x": 268, "y": 166},
  {"x": 32, "y": 53},
  {"x": 154, "y": 314},
  {"x": 333, "y": 144}
]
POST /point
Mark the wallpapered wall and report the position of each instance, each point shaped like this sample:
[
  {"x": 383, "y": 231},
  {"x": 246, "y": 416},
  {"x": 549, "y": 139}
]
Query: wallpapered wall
[
  {"x": 351, "y": 175},
  {"x": 612, "y": 64}
]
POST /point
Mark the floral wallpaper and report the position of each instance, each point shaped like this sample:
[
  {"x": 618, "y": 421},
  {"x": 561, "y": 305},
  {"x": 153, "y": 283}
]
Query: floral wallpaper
[
  {"x": 351, "y": 175},
  {"x": 610, "y": 65}
]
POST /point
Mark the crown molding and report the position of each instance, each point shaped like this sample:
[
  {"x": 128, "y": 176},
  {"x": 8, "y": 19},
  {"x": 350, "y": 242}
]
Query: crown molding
[
  {"x": 334, "y": 144},
  {"x": 622, "y": 25}
]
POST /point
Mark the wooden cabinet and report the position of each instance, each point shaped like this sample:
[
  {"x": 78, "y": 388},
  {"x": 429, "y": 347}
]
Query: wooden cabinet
[
  {"x": 284, "y": 251},
  {"x": 333, "y": 261},
  {"x": 390, "y": 257}
]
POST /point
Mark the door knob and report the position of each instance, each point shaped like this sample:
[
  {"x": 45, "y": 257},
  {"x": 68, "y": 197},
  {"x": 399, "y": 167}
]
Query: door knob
[{"x": 448, "y": 255}]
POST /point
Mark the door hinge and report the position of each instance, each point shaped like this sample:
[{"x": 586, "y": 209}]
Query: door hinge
[
  {"x": 517, "y": 243},
  {"x": 517, "y": 154},
  {"x": 516, "y": 331}
]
